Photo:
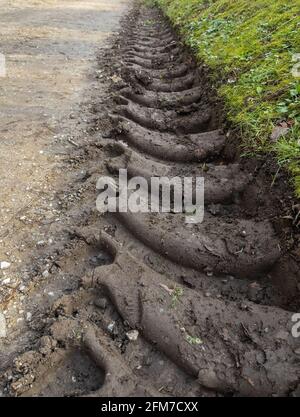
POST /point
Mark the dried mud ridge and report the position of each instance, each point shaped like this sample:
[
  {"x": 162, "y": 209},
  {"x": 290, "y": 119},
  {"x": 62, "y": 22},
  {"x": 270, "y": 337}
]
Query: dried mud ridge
[{"x": 185, "y": 288}]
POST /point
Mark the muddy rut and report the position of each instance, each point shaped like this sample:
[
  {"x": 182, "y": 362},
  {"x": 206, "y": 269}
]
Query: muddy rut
[{"x": 171, "y": 308}]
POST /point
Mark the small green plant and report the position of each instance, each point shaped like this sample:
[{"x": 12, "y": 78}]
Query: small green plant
[
  {"x": 289, "y": 107},
  {"x": 176, "y": 294},
  {"x": 193, "y": 340},
  {"x": 148, "y": 22}
]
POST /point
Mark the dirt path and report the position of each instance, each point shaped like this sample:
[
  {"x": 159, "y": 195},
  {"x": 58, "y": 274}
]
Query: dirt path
[
  {"x": 115, "y": 300},
  {"x": 50, "y": 48}
]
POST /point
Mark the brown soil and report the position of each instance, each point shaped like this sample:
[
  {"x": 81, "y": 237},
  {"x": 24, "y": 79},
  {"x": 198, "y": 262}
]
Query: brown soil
[{"x": 212, "y": 302}]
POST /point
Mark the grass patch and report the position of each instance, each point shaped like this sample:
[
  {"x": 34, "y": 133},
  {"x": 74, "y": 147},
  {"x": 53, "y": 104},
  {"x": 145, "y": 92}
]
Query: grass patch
[{"x": 251, "y": 48}]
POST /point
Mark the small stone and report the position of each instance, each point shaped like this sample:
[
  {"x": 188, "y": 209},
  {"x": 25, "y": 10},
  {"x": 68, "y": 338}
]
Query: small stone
[
  {"x": 278, "y": 132},
  {"x": 101, "y": 303},
  {"x": 2, "y": 326},
  {"x": 6, "y": 281},
  {"x": 45, "y": 274},
  {"x": 255, "y": 285},
  {"x": 28, "y": 316},
  {"x": 132, "y": 335},
  {"x": 47, "y": 345},
  {"x": 111, "y": 326},
  {"x": 4, "y": 265},
  {"x": 297, "y": 351}
]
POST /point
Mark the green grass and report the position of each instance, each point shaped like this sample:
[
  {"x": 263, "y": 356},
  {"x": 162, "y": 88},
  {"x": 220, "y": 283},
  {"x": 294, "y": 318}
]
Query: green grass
[{"x": 250, "y": 47}]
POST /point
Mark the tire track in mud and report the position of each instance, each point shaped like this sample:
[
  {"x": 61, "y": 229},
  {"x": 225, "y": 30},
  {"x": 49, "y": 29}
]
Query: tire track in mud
[{"x": 165, "y": 123}]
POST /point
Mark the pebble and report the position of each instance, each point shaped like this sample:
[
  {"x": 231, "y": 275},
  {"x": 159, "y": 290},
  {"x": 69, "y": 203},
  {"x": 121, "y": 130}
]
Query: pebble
[
  {"x": 28, "y": 316},
  {"x": 45, "y": 274},
  {"x": 6, "y": 281},
  {"x": 4, "y": 265},
  {"x": 278, "y": 131},
  {"x": 111, "y": 326},
  {"x": 132, "y": 335},
  {"x": 2, "y": 325},
  {"x": 101, "y": 303}
]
